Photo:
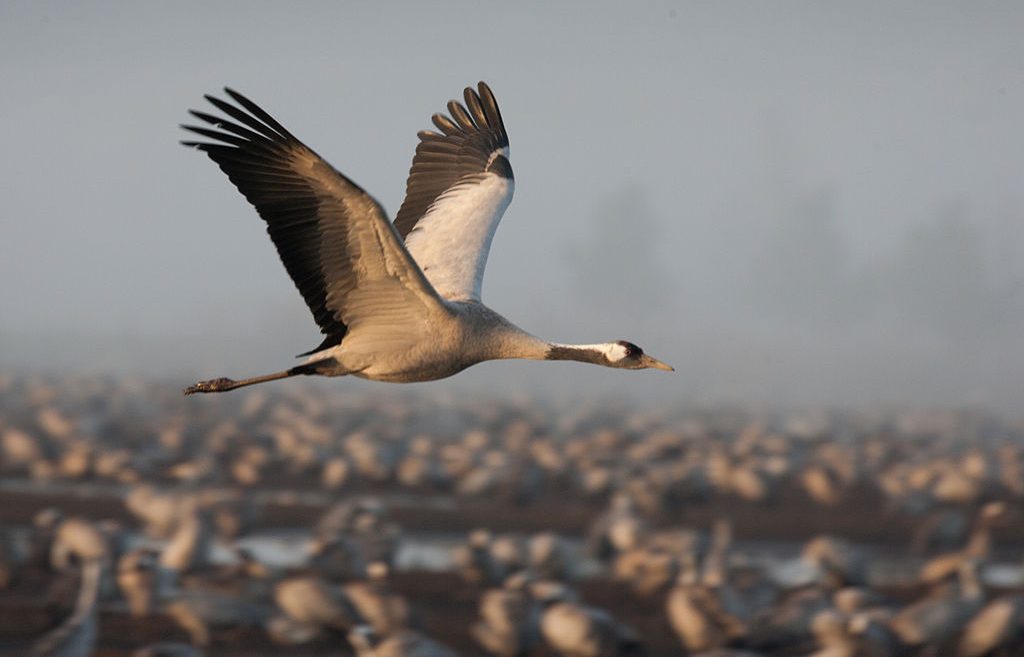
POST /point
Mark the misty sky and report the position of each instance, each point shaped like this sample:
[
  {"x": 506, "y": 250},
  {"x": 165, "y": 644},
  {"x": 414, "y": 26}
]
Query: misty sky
[{"x": 790, "y": 202}]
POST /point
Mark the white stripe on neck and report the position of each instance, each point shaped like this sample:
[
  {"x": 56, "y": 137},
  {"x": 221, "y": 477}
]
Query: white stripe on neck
[{"x": 613, "y": 351}]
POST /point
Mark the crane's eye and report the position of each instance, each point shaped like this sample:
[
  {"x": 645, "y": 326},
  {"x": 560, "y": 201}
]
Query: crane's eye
[{"x": 632, "y": 351}]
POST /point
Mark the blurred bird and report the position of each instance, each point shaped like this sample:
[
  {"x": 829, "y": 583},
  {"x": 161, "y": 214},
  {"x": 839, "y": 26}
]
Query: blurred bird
[
  {"x": 842, "y": 563},
  {"x": 832, "y": 635},
  {"x": 647, "y": 569},
  {"x": 189, "y": 548},
  {"x": 854, "y": 599},
  {"x": 81, "y": 539},
  {"x": 550, "y": 556},
  {"x": 76, "y": 636},
  {"x": 574, "y": 630},
  {"x": 376, "y": 604},
  {"x": 43, "y": 535},
  {"x": 407, "y": 643},
  {"x": 999, "y": 625},
  {"x": 159, "y": 511},
  {"x": 310, "y": 600},
  {"x": 874, "y": 637},
  {"x": 476, "y": 562},
  {"x": 618, "y": 529},
  {"x": 137, "y": 580},
  {"x": 508, "y": 625},
  {"x": 699, "y": 616},
  {"x": 397, "y": 302},
  {"x": 941, "y": 615},
  {"x": 789, "y": 621},
  {"x": 978, "y": 545}
]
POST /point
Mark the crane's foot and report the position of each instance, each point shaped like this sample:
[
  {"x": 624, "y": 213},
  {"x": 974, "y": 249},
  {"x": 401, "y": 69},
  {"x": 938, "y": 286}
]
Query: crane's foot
[{"x": 212, "y": 385}]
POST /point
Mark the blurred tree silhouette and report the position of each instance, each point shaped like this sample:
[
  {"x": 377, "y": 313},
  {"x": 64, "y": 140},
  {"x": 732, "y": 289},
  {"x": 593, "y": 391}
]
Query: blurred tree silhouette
[
  {"x": 618, "y": 265},
  {"x": 938, "y": 276},
  {"x": 801, "y": 272},
  {"x": 936, "y": 279}
]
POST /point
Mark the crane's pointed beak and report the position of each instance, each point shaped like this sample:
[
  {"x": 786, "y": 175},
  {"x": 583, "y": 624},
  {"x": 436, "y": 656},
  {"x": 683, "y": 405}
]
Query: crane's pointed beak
[{"x": 656, "y": 364}]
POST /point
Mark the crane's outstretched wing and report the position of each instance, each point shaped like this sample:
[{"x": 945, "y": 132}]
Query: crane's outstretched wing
[
  {"x": 459, "y": 186},
  {"x": 333, "y": 238}
]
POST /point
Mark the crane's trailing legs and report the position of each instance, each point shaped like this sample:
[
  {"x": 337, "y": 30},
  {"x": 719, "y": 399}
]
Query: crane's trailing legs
[{"x": 223, "y": 384}]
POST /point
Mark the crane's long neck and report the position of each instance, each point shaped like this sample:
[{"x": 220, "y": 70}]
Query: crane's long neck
[
  {"x": 520, "y": 344},
  {"x": 584, "y": 353},
  {"x": 499, "y": 339}
]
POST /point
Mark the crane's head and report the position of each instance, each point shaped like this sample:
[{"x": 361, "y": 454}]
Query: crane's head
[
  {"x": 627, "y": 356},
  {"x": 620, "y": 354}
]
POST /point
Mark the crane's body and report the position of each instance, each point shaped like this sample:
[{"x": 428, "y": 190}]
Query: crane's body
[
  {"x": 464, "y": 334},
  {"x": 397, "y": 302}
]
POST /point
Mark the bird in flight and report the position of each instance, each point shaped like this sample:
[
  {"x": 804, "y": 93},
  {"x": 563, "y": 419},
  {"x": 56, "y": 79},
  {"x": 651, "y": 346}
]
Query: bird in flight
[{"x": 400, "y": 301}]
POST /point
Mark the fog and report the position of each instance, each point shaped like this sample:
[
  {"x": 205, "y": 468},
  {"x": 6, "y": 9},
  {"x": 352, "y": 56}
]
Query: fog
[{"x": 791, "y": 204}]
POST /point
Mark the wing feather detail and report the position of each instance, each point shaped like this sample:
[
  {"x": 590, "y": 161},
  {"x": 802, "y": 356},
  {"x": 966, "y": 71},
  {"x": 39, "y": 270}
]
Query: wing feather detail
[
  {"x": 459, "y": 186},
  {"x": 342, "y": 253}
]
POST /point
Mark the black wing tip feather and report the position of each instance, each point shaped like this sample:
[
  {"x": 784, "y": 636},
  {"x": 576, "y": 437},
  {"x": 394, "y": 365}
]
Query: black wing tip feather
[
  {"x": 197, "y": 145},
  {"x": 490, "y": 109},
  {"x": 258, "y": 112},
  {"x": 243, "y": 119},
  {"x": 238, "y": 97},
  {"x": 254, "y": 150},
  {"x": 446, "y": 125},
  {"x": 468, "y": 141},
  {"x": 477, "y": 113},
  {"x": 485, "y": 105}
]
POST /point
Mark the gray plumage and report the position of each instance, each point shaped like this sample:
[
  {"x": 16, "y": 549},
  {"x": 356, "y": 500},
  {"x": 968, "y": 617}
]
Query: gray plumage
[{"x": 396, "y": 302}]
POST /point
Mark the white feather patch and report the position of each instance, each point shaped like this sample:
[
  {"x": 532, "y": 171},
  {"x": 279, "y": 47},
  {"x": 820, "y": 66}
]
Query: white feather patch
[
  {"x": 451, "y": 242},
  {"x": 613, "y": 351}
]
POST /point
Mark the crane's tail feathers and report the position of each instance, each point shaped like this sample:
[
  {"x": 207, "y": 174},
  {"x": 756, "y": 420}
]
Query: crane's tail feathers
[{"x": 223, "y": 384}]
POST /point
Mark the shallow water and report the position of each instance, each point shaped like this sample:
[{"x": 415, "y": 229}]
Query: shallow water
[{"x": 433, "y": 552}]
